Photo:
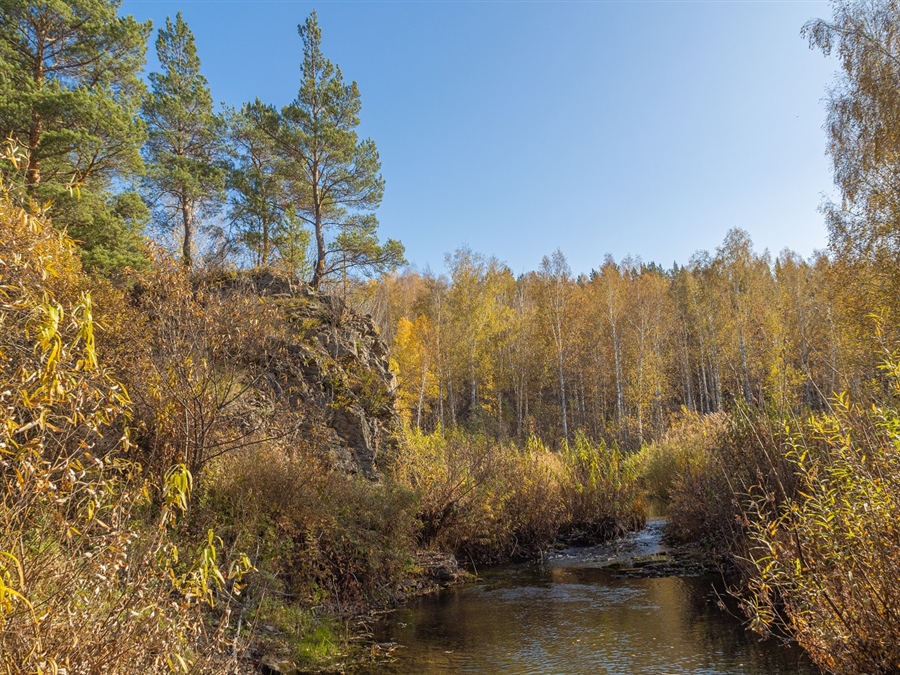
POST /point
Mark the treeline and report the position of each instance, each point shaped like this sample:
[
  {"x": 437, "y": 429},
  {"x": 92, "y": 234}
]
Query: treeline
[
  {"x": 615, "y": 353},
  {"x": 119, "y": 158}
]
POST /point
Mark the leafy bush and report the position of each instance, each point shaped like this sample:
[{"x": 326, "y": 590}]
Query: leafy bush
[
  {"x": 488, "y": 501},
  {"x": 88, "y": 581},
  {"x": 808, "y": 510},
  {"x": 91, "y": 574},
  {"x": 826, "y": 561}
]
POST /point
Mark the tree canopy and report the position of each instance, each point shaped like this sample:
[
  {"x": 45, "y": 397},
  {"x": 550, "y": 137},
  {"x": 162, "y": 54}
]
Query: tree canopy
[
  {"x": 69, "y": 95},
  {"x": 333, "y": 178},
  {"x": 863, "y": 130}
]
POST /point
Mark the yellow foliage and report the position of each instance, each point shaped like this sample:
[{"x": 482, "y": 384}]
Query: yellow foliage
[
  {"x": 414, "y": 365},
  {"x": 82, "y": 587},
  {"x": 826, "y": 561}
]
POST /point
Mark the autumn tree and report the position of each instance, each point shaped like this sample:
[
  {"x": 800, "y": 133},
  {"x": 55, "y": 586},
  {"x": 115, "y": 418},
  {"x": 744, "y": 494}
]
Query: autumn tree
[
  {"x": 185, "y": 178},
  {"x": 682, "y": 291},
  {"x": 523, "y": 351},
  {"x": 863, "y": 134},
  {"x": 609, "y": 292},
  {"x": 613, "y": 355},
  {"x": 709, "y": 310},
  {"x": 70, "y": 91},
  {"x": 555, "y": 275},
  {"x": 433, "y": 301},
  {"x": 747, "y": 282},
  {"x": 863, "y": 108},
  {"x": 648, "y": 319},
  {"x": 413, "y": 358},
  {"x": 470, "y": 305}
]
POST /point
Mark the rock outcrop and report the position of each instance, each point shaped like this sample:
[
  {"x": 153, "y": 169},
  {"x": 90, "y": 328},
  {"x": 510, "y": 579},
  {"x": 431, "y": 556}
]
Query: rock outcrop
[{"x": 337, "y": 364}]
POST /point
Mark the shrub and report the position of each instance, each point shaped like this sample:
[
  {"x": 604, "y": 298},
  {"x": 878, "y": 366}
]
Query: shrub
[
  {"x": 689, "y": 440},
  {"x": 319, "y": 537},
  {"x": 491, "y": 502},
  {"x": 826, "y": 560},
  {"x": 201, "y": 370},
  {"x": 727, "y": 458},
  {"x": 808, "y": 510},
  {"x": 89, "y": 581}
]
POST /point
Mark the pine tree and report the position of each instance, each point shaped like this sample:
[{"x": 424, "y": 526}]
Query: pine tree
[
  {"x": 333, "y": 177},
  {"x": 262, "y": 217},
  {"x": 256, "y": 202},
  {"x": 69, "y": 95},
  {"x": 185, "y": 178},
  {"x": 290, "y": 242}
]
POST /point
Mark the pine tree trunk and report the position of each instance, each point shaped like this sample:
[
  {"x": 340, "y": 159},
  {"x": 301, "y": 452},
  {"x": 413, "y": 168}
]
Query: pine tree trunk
[
  {"x": 187, "y": 219},
  {"x": 319, "y": 271},
  {"x": 33, "y": 172}
]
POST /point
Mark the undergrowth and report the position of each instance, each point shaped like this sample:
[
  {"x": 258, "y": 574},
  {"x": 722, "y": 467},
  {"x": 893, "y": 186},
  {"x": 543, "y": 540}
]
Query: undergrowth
[
  {"x": 491, "y": 502},
  {"x": 90, "y": 575}
]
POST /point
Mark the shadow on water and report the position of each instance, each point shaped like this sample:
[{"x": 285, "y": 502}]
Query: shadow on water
[{"x": 570, "y": 616}]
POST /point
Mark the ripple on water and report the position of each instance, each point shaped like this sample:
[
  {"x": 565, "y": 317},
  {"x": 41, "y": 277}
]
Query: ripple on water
[{"x": 571, "y": 617}]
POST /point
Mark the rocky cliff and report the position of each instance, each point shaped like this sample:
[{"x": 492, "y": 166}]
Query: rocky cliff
[{"x": 337, "y": 364}]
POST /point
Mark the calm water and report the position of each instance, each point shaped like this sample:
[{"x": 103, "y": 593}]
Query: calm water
[{"x": 571, "y": 617}]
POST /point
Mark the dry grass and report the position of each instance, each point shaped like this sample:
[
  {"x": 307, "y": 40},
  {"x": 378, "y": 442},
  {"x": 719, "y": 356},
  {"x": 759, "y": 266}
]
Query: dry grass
[{"x": 491, "y": 502}]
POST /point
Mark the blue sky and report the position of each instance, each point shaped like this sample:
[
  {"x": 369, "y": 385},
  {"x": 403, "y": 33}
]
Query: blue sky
[{"x": 643, "y": 128}]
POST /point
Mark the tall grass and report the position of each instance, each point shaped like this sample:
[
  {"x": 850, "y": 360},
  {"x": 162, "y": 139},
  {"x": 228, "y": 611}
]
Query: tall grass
[{"x": 491, "y": 502}]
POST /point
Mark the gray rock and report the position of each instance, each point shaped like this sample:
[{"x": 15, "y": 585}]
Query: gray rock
[{"x": 338, "y": 364}]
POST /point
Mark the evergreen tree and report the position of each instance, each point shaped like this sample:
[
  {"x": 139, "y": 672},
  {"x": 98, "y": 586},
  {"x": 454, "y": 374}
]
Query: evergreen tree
[
  {"x": 69, "y": 95},
  {"x": 290, "y": 241},
  {"x": 256, "y": 202},
  {"x": 108, "y": 227},
  {"x": 185, "y": 179},
  {"x": 333, "y": 177}
]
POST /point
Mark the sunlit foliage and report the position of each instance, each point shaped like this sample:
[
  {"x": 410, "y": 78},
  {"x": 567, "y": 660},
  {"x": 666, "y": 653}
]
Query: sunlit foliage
[
  {"x": 826, "y": 560},
  {"x": 89, "y": 576}
]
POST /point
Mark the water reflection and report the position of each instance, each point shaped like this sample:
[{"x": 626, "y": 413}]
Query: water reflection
[{"x": 577, "y": 620}]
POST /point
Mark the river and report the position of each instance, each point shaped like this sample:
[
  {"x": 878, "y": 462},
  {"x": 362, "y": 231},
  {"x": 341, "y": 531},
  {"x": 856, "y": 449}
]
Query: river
[{"x": 570, "y": 616}]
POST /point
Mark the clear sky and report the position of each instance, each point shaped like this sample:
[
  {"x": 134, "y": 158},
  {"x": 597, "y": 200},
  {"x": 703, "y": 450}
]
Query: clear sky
[{"x": 644, "y": 128}]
